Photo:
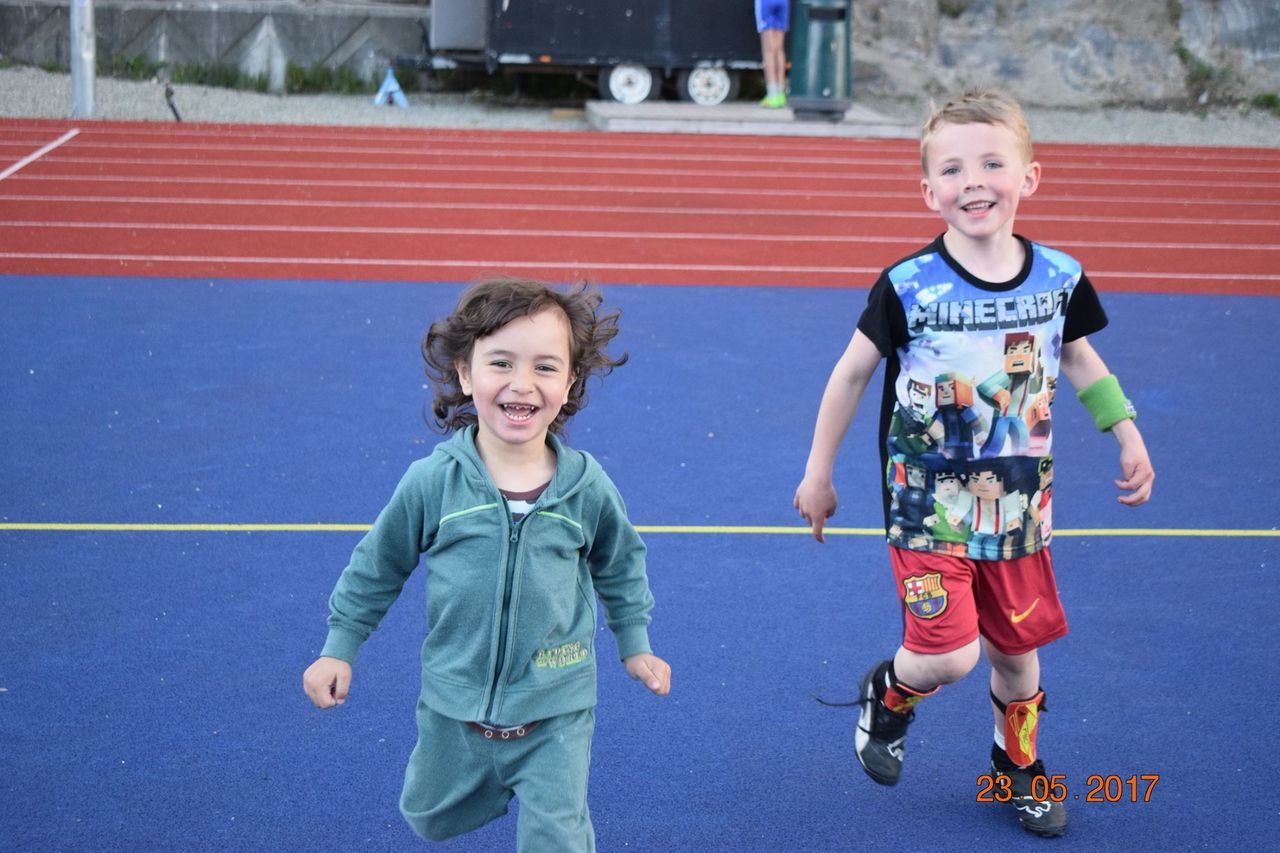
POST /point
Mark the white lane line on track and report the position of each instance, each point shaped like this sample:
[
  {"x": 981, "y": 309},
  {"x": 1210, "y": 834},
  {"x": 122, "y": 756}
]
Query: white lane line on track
[
  {"x": 468, "y": 263},
  {"x": 36, "y": 155},
  {"x": 844, "y": 173},
  {"x": 705, "y": 236},
  {"x": 375, "y": 204},
  {"x": 790, "y": 192},
  {"x": 414, "y": 157},
  {"x": 491, "y": 263},
  {"x": 667, "y": 145}
]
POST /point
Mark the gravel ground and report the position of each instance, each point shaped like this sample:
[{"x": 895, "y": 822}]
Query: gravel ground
[{"x": 31, "y": 92}]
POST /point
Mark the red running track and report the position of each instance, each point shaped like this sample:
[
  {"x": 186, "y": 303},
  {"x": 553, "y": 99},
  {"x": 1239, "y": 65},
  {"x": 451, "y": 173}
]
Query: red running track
[{"x": 235, "y": 201}]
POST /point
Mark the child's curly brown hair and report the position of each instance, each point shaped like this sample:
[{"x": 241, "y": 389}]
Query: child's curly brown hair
[{"x": 489, "y": 305}]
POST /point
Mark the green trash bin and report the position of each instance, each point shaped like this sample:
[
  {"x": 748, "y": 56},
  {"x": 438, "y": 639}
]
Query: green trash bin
[{"x": 821, "y": 51}]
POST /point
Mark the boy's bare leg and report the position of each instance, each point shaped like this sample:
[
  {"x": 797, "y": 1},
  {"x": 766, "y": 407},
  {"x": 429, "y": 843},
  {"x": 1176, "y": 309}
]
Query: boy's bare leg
[
  {"x": 925, "y": 672},
  {"x": 1015, "y": 686},
  {"x": 1013, "y": 677},
  {"x": 888, "y": 694}
]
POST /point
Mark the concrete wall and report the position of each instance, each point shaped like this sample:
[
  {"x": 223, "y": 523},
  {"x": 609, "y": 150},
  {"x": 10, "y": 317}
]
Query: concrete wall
[{"x": 258, "y": 38}]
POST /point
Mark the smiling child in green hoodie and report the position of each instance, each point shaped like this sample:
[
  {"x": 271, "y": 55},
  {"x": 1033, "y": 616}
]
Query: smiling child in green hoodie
[{"x": 519, "y": 534}]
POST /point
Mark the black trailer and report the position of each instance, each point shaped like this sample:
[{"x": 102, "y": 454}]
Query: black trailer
[{"x": 631, "y": 46}]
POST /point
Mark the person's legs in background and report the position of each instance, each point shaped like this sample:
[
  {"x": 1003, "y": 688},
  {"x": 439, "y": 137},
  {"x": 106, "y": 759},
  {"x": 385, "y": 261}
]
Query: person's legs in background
[{"x": 771, "y": 22}]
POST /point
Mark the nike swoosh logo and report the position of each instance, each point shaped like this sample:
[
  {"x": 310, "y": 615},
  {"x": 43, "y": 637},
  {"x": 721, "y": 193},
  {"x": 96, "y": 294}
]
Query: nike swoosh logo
[{"x": 1018, "y": 617}]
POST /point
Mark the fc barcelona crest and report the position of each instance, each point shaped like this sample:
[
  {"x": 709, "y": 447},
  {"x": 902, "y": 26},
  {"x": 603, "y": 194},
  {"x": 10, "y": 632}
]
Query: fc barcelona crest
[{"x": 925, "y": 596}]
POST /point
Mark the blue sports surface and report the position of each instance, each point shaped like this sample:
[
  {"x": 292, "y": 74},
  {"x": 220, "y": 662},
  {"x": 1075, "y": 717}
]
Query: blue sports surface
[{"x": 150, "y": 692}]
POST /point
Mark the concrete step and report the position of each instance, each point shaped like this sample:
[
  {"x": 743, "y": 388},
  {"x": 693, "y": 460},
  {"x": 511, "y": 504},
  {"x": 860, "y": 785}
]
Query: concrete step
[{"x": 740, "y": 117}]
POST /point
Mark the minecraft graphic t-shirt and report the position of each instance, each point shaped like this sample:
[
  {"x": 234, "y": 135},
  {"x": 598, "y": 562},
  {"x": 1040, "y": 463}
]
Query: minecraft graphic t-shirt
[{"x": 966, "y": 427}]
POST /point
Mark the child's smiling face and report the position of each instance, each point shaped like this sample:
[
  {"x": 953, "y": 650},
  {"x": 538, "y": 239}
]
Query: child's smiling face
[
  {"x": 519, "y": 377},
  {"x": 975, "y": 176}
]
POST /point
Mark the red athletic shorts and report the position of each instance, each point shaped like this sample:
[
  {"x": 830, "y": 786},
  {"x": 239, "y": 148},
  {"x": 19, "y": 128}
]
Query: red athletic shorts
[{"x": 947, "y": 601}]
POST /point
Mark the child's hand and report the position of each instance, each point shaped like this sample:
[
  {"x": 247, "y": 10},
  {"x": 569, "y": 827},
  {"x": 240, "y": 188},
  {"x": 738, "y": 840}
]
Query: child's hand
[
  {"x": 652, "y": 670},
  {"x": 816, "y": 502},
  {"x": 327, "y": 681},
  {"x": 1135, "y": 465}
]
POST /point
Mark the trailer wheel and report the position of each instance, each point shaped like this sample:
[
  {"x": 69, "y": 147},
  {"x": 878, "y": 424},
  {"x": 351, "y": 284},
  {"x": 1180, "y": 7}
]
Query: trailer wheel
[
  {"x": 707, "y": 86},
  {"x": 628, "y": 83}
]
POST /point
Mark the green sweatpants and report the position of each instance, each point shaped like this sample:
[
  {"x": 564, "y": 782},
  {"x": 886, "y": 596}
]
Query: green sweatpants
[{"x": 458, "y": 780}]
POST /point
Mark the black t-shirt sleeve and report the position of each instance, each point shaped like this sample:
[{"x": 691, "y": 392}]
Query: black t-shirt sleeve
[
  {"x": 883, "y": 320},
  {"x": 1084, "y": 312}
]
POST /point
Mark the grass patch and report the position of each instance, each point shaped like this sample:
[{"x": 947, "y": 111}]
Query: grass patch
[
  {"x": 1269, "y": 101},
  {"x": 316, "y": 79},
  {"x": 129, "y": 67},
  {"x": 319, "y": 78},
  {"x": 1206, "y": 82},
  {"x": 221, "y": 76}
]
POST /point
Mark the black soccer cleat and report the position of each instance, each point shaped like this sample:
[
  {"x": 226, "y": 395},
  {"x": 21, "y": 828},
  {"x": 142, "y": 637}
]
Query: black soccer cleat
[
  {"x": 881, "y": 737},
  {"x": 1045, "y": 818}
]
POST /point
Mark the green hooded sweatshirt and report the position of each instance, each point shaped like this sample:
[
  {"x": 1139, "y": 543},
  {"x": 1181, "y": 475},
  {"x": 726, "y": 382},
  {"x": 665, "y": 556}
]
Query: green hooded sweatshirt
[{"x": 511, "y": 612}]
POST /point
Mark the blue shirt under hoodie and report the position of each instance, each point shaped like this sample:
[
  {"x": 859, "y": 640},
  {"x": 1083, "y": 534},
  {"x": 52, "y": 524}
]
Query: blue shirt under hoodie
[{"x": 511, "y": 612}]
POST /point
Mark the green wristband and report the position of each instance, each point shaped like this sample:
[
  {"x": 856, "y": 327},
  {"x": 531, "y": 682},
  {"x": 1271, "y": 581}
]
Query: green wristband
[{"x": 1107, "y": 403}]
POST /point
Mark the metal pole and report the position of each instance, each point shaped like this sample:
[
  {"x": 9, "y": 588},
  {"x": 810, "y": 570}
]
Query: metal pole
[{"x": 84, "y": 56}]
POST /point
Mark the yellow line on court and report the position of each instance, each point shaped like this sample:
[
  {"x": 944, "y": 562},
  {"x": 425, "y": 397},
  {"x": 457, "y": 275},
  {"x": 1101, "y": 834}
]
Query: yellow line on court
[
  {"x": 1157, "y": 531},
  {"x": 109, "y": 527},
  {"x": 79, "y": 527}
]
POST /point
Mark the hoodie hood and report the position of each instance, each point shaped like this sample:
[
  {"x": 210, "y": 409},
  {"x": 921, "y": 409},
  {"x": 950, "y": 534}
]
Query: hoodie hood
[{"x": 575, "y": 469}]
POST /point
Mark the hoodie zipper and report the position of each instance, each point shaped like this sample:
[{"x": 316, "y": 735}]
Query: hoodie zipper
[{"x": 508, "y": 582}]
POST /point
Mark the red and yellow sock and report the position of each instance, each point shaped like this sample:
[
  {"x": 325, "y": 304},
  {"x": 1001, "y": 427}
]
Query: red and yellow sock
[{"x": 900, "y": 697}]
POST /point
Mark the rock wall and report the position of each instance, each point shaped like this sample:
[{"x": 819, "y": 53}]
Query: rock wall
[
  {"x": 1061, "y": 53},
  {"x": 1070, "y": 52}
]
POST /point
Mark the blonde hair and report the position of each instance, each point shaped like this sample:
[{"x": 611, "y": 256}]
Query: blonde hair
[{"x": 978, "y": 106}]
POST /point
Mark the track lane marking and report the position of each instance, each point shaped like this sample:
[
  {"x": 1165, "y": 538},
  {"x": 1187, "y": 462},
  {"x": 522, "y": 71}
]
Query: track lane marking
[
  {"x": 487, "y": 263},
  {"x": 577, "y": 264},
  {"x": 790, "y": 193},
  {"x": 704, "y": 236},
  {"x": 550, "y": 142},
  {"x": 733, "y": 212},
  {"x": 836, "y": 153},
  {"x": 34, "y": 156},
  {"x": 508, "y": 167}
]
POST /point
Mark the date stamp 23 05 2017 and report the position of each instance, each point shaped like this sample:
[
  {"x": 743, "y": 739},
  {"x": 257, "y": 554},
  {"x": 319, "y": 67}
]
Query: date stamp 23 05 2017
[{"x": 1099, "y": 788}]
